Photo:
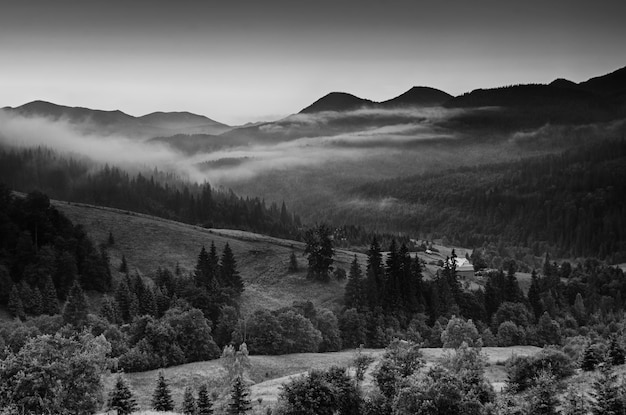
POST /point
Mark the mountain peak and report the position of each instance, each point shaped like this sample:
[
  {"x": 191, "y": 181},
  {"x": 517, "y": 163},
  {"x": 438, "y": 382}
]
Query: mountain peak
[
  {"x": 419, "y": 96},
  {"x": 337, "y": 101}
]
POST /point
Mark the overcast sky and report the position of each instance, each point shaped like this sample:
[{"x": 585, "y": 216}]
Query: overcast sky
[{"x": 237, "y": 61}]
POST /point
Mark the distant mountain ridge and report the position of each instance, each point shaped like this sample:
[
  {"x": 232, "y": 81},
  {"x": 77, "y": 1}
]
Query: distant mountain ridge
[
  {"x": 417, "y": 96},
  {"x": 118, "y": 121}
]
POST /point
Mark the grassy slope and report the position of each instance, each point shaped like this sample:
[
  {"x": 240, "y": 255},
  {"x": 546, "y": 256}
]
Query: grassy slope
[
  {"x": 268, "y": 373},
  {"x": 149, "y": 242}
]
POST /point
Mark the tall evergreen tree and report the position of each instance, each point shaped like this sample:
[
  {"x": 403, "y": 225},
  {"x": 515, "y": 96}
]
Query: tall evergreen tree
[
  {"x": 204, "y": 404},
  {"x": 109, "y": 310},
  {"x": 609, "y": 397},
  {"x": 37, "y": 303},
  {"x": 615, "y": 354},
  {"x": 392, "y": 278},
  {"x": 203, "y": 272},
  {"x": 354, "y": 291},
  {"x": 123, "y": 265},
  {"x": 75, "y": 311},
  {"x": 162, "y": 398},
  {"x": 534, "y": 294},
  {"x": 26, "y": 294},
  {"x": 544, "y": 397},
  {"x": 121, "y": 398},
  {"x": 49, "y": 298},
  {"x": 15, "y": 306},
  {"x": 319, "y": 251},
  {"x": 239, "y": 398},
  {"x": 123, "y": 297},
  {"x": 374, "y": 274},
  {"x": 228, "y": 270},
  {"x": 188, "y": 406},
  {"x": 293, "y": 262}
]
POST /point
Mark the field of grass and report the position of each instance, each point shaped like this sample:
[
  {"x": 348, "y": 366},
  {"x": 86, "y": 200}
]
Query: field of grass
[
  {"x": 269, "y": 373},
  {"x": 148, "y": 243}
]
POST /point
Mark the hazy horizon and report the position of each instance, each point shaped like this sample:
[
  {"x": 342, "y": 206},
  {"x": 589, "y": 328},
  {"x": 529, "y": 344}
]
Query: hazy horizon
[{"x": 249, "y": 61}]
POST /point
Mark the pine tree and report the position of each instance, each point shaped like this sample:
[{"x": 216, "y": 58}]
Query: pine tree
[
  {"x": 293, "y": 262},
  {"x": 75, "y": 311},
  {"x": 544, "y": 397},
  {"x": 109, "y": 310},
  {"x": 374, "y": 274},
  {"x": 202, "y": 273},
  {"x": 121, "y": 398},
  {"x": 353, "y": 295},
  {"x": 147, "y": 303},
  {"x": 49, "y": 298},
  {"x": 123, "y": 297},
  {"x": 228, "y": 270},
  {"x": 609, "y": 399},
  {"x": 616, "y": 352},
  {"x": 123, "y": 265},
  {"x": 26, "y": 294},
  {"x": 592, "y": 357},
  {"x": 37, "y": 304},
  {"x": 162, "y": 398},
  {"x": 111, "y": 240},
  {"x": 204, "y": 404},
  {"x": 392, "y": 274},
  {"x": 534, "y": 294},
  {"x": 575, "y": 402},
  {"x": 213, "y": 266},
  {"x": 15, "y": 306},
  {"x": 239, "y": 398},
  {"x": 189, "y": 402}
]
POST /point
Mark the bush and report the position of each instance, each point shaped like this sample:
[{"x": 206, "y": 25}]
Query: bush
[{"x": 522, "y": 371}]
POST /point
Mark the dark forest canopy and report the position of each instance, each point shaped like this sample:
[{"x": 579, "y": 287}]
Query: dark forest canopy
[{"x": 569, "y": 203}]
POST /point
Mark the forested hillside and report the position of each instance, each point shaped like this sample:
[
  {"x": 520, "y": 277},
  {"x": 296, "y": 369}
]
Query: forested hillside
[
  {"x": 155, "y": 193},
  {"x": 569, "y": 203}
]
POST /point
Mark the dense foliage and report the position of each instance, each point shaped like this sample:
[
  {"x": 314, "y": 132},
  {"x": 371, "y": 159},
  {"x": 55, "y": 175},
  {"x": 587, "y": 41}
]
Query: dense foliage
[
  {"x": 42, "y": 254},
  {"x": 569, "y": 203}
]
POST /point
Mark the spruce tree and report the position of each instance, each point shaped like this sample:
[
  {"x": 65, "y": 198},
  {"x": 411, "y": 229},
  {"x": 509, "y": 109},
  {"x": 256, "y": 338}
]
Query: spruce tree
[
  {"x": 37, "y": 303},
  {"x": 374, "y": 274},
  {"x": 121, "y": 398},
  {"x": 534, "y": 294},
  {"x": 123, "y": 265},
  {"x": 616, "y": 352},
  {"x": 543, "y": 399},
  {"x": 15, "y": 306},
  {"x": 162, "y": 398},
  {"x": 109, "y": 310},
  {"x": 293, "y": 262},
  {"x": 353, "y": 295},
  {"x": 202, "y": 271},
  {"x": 204, "y": 404},
  {"x": 26, "y": 294},
  {"x": 49, "y": 298},
  {"x": 111, "y": 240},
  {"x": 189, "y": 402},
  {"x": 75, "y": 311},
  {"x": 609, "y": 398},
  {"x": 239, "y": 398},
  {"x": 214, "y": 266},
  {"x": 228, "y": 270}
]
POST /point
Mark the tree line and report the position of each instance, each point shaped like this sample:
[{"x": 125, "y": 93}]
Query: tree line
[{"x": 155, "y": 193}]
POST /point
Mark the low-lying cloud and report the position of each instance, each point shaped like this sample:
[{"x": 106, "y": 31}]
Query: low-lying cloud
[{"x": 245, "y": 162}]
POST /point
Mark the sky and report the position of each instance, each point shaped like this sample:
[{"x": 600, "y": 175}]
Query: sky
[{"x": 238, "y": 61}]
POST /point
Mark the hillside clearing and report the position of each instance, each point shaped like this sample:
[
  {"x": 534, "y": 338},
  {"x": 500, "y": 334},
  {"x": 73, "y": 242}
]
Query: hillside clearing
[
  {"x": 148, "y": 242},
  {"x": 269, "y": 373}
]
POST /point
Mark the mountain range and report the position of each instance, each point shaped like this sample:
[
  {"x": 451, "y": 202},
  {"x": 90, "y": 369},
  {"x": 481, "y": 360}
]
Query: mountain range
[{"x": 562, "y": 101}]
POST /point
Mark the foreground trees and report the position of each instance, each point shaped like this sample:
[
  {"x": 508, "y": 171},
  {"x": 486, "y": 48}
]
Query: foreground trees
[{"x": 55, "y": 374}]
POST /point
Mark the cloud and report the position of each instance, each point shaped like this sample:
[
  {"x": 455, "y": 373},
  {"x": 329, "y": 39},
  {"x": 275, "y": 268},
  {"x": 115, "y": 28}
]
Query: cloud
[{"x": 62, "y": 136}]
